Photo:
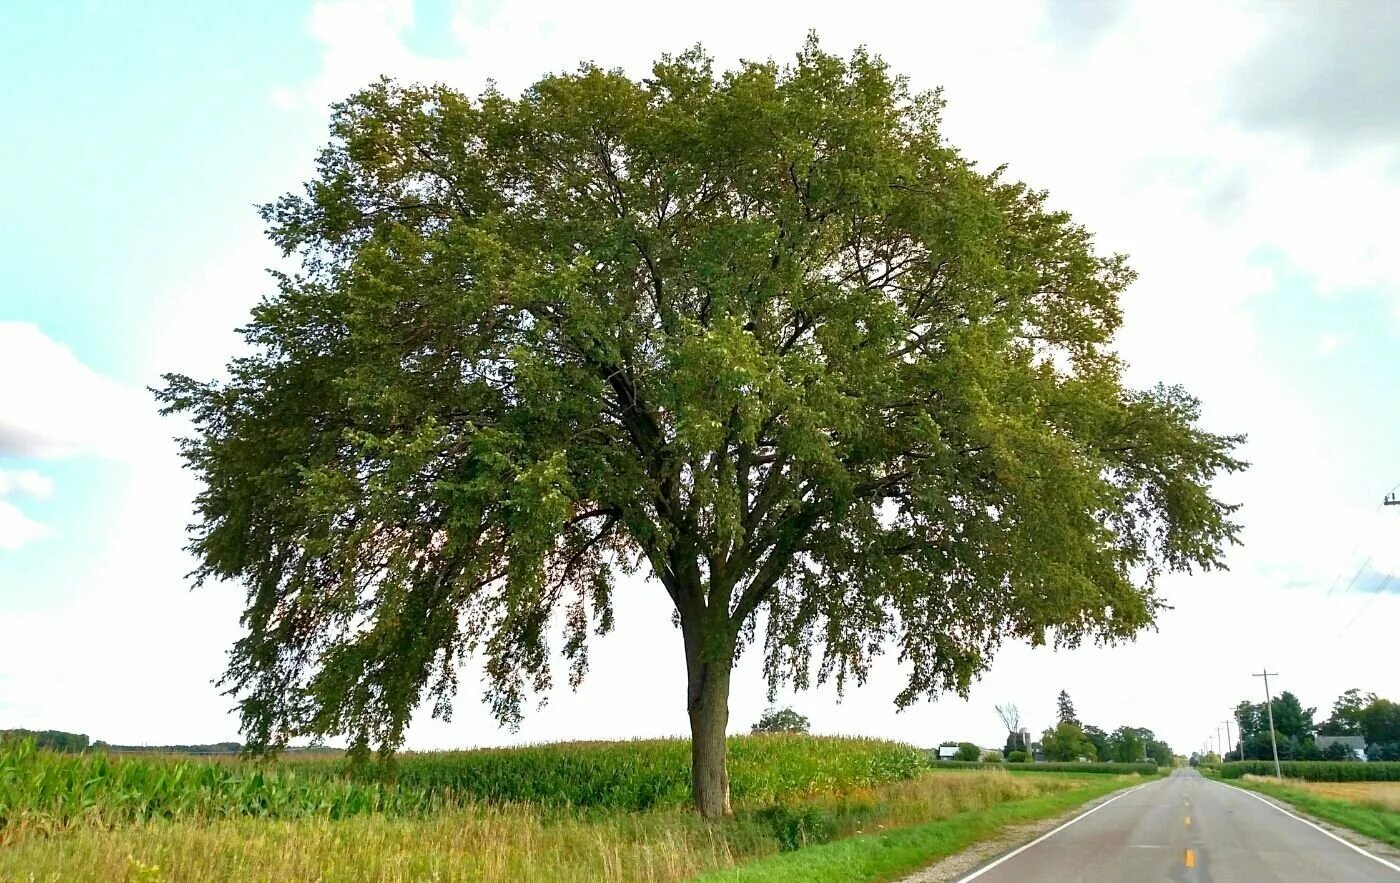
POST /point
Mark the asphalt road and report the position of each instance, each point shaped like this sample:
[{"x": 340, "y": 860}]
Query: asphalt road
[{"x": 1186, "y": 828}]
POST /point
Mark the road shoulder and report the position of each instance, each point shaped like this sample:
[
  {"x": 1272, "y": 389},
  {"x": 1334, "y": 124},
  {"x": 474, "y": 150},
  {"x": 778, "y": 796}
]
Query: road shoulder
[
  {"x": 1378, "y": 848},
  {"x": 1011, "y": 837}
]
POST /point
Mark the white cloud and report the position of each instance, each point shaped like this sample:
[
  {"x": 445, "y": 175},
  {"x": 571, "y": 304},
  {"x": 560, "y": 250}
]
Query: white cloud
[
  {"x": 25, "y": 481},
  {"x": 52, "y": 405},
  {"x": 16, "y": 528},
  {"x": 283, "y": 98},
  {"x": 1328, "y": 344}
]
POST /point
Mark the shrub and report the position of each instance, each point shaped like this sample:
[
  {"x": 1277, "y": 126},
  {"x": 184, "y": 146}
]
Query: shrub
[
  {"x": 796, "y": 826},
  {"x": 1018, "y": 757},
  {"x": 992, "y": 757}
]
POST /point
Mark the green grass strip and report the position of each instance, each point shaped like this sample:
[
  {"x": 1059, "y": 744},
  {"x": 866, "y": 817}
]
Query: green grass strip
[
  {"x": 891, "y": 855},
  {"x": 1373, "y": 821}
]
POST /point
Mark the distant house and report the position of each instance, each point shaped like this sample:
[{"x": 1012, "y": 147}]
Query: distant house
[
  {"x": 947, "y": 752},
  {"x": 1356, "y": 744}
]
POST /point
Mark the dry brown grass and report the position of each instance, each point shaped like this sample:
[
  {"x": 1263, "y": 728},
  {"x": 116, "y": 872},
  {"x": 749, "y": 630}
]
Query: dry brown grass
[
  {"x": 484, "y": 843},
  {"x": 938, "y": 795},
  {"x": 1380, "y": 795}
]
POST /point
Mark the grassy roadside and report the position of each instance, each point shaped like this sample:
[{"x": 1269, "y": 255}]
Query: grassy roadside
[
  {"x": 514, "y": 841},
  {"x": 1372, "y": 821},
  {"x": 891, "y": 855}
]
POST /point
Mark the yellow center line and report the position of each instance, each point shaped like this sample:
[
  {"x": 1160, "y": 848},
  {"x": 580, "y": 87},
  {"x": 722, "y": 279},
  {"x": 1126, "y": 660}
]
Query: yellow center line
[{"x": 1190, "y": 859}]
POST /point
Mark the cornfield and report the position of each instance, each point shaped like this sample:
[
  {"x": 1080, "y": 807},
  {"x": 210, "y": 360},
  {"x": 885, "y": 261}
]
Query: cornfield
[
  {"x": 648, "y": 774},
  {"x": 1316, "y": 770},
  {"x": 41, "y": 790},
  {"x": 44, "y": 791}
]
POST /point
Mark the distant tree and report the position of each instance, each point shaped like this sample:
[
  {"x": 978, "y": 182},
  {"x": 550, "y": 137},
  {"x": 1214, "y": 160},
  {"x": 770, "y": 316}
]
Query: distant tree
[
  {"x": 1099, "y": 739},
  {"x": 992, "y": 757},
  {"x": 968, "y": 751},
  {"x": 1066, "y": 742},
  {"x": 1291, "y": 718},
  {"x": 1128, "y": 745},
  {"x": 1346, "y": 714},
  {"x": 1257, "y": 746},
  {"x": 1018, "y": 757},
  {"x": 781, "y": 720},
  {"x": 1250, "y": 718},
  {"x": 1304, "y": 748},
  {"x": 1158, "y": 751},
  {"x": 764, "y": 333},
  {"x": 51, "y": 740},
  {"x": 1338, "y": 751},
  {"x": 1011, "y": 718},
  {"x": 1065, "y": 709},
  {"x": 1380, "y": 722},
  {"x": 205, "y": 748}
]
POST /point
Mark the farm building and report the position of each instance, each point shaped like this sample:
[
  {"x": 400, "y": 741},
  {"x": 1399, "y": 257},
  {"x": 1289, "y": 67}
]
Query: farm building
[{"x": 1356, "y": 744}]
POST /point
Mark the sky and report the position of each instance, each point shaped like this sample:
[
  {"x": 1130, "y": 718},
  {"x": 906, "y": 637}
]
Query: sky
[{"x": 1245, "y": 156}]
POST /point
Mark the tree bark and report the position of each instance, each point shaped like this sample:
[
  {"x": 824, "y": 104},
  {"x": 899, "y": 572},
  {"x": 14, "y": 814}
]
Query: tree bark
[{"x": 708, "y": 705}]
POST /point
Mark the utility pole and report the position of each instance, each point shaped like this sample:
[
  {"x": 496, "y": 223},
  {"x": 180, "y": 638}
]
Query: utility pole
[
  {"x": 1229, "y": 740},
  {"x": 1222, "y": 745},
  {"x": 1269, "y": 704},
  {"x": 1391, "y": 500}
]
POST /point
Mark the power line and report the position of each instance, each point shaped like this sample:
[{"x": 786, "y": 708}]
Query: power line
[
  {"x": 1389, "y": 500},
  {"x": 1376, "y": 593}
]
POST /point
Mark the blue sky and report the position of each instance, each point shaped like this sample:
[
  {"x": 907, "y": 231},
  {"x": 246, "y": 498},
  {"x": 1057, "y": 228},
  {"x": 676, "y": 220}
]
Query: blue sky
[
  {"x": 134, "y": 126},
  {"x": 140, "y": 136}
]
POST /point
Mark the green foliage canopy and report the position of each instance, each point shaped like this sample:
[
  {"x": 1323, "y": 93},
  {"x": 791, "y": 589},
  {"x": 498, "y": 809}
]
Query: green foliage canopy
[
  {"x": 1066, "y": 742},
  {"x": 1380, "y": 722},
  {"x": 782, "y": 720},
  {"x": 1346, "y": 714},
  {"x": 764, "y": 333},
  {"x": 1099, "y": 739}
]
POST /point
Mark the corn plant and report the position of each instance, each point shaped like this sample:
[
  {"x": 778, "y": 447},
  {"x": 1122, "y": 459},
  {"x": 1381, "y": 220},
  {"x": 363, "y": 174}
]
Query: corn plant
[{"x": 1316, "y": 770}]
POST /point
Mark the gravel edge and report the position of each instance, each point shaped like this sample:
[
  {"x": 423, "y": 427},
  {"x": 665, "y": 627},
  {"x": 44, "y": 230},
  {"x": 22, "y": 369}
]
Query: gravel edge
[
  {"x": 955, "y": 866},
  {"x": 1356, "y": 838}
]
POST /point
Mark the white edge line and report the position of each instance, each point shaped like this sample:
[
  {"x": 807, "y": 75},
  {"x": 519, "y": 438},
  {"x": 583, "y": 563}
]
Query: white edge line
[
  {"x": 1084, "y": 815},
  {"x": 1342, "y": 840}
]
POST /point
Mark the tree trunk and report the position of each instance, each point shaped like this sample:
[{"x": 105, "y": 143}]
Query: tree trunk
[{"x": 708, "y": 705}]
